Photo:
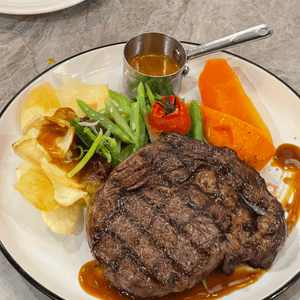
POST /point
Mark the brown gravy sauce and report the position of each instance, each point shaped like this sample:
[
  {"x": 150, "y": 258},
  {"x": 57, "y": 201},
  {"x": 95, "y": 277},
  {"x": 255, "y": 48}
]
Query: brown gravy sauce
[
  {"x": 93, "y": 282},
  {"x": 47, "y": 138},
  {"x": 153, "y": 64},
  {"x": 287, "y": 158}
]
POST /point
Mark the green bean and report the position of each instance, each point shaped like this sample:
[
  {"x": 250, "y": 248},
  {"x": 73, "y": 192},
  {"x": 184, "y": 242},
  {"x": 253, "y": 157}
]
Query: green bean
[
  {"x": 89, "y": 132},
  {"x": 112, "y": 143},
  {"x": 106, "y": 154},
  {"x": 144, "y": 140},
  {"x": 150, "y": 95},
  {"x": 143, "y": 117},
  {"x": 140, "y": 97},
  {"x": 143, "y": 134},
  {"x": 120, "y": 121},
  {"x": 110, "y": 140},
  {"x": 107, "y": 132},
  {"x": 141, "y": 90},
  {"x": 122, "y": 100},
  {"x": 142, "y": 107},
  {"x": 151, "y": 137},
  {"x": 115, "y": 151},
  {"x": 196, "y": 118},
  {"x": 104, "y": 121},
  {"x": 135, "y": 120},
  {"x": 101, "y": 147},
  {"x": 88, "y": 138},
  {"x": 118, "y": 148},
  {"x": 79, "y": 130},
  {"x": 87, "y": 157},
  {"x": 121, "y": 110},
  {"x": 134, "y": 116}
]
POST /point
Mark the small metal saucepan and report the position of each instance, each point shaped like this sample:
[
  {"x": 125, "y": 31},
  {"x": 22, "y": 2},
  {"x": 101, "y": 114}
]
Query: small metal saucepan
[{"x": 158, "y": 43}]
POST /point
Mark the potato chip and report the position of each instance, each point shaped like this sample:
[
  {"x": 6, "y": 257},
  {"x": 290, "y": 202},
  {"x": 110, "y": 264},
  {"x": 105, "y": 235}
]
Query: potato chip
[
  {"x": 36, "y": 188},
  {"x": 45, "y": 145},
  {"x": 22, "y": 169},
  {"x": 66, "y": 80},
  {"x": 64, "y": 219},
  {"x": 66, "y": 196},
  {"x": 93, "y": 95},
  {"x": 41, "y": 101},
  {"x": 29, "y": 150},
  {"x": 55, "y": 172},
  {"x": 30, "y": 146}
]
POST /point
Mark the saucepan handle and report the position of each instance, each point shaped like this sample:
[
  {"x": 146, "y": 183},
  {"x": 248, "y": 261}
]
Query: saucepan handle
[{"x": 245, "y": 36}]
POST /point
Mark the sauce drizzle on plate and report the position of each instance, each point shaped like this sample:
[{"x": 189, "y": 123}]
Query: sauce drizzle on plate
[
  {"x": 93, "y": 282},
  {"x": 287, "y": 158}
]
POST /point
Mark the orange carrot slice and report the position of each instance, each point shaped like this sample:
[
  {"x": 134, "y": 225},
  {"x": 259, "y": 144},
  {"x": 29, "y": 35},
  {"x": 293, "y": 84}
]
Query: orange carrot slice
[
  {"x": 250, "y": 143},
  {"x": 222, "y": 90}
]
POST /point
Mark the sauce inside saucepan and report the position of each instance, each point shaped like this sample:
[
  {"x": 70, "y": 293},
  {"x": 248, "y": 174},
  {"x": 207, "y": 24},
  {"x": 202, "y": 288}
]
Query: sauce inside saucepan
[{"x": 153, "y": 64}]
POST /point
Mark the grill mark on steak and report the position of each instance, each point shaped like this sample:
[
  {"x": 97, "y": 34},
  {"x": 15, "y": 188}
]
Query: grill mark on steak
[
  {"x": 159, "y": 212},
  {"x": 137, "y": 262},
  {"x": 106, "y": 232},
  {"x": 115, "y": 265},
  {"x": 167, "y": 254},
  {"x": 195, "y": 212},
  {"x": 184, "y": 218},
  {"x": 127, "y": 252},
  {"x": 105, "y": 224},
  {"x": 180, "y": 229}
]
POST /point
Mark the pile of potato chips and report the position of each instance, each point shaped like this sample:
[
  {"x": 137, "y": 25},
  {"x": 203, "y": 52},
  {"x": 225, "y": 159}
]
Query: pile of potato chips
[{"x": 43, "y": 181}]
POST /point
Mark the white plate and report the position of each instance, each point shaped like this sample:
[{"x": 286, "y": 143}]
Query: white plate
[
  {"x": 50, "y": 261},
  {"x": 31, "y": 7}
]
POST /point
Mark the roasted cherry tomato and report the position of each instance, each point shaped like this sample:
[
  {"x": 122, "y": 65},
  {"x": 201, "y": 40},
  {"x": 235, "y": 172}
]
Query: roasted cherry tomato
[{"x": 170, "y": 114}]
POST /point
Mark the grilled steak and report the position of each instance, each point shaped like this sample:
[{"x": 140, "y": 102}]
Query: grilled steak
[{"x": 175, "y": 210}]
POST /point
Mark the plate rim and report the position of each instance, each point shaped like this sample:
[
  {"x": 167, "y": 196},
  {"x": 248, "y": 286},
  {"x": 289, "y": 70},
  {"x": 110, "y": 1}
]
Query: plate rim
[
  {"x": 41, "y": 287},
  {"x": 35, "y": 10}
]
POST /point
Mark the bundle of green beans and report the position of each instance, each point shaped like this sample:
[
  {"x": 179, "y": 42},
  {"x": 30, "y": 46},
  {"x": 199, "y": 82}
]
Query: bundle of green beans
[{"x": 128, "y": 132}]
